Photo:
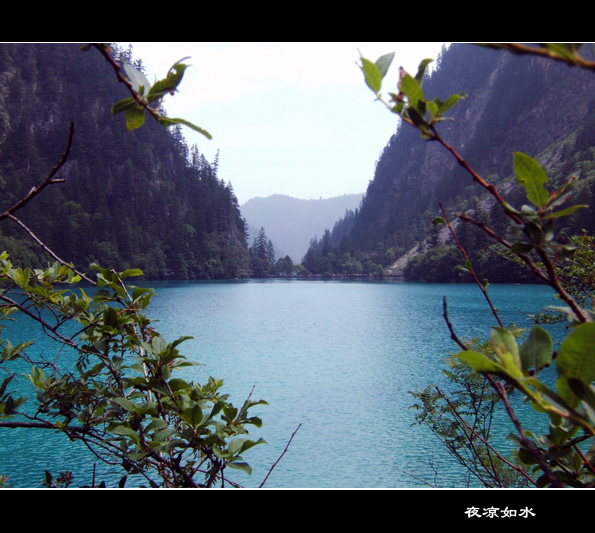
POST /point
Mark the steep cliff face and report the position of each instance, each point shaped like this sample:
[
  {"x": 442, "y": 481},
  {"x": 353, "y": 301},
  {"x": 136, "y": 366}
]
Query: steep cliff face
[
  {"x": 139, "y": 199},
  {"x": 513, "y": 104}
]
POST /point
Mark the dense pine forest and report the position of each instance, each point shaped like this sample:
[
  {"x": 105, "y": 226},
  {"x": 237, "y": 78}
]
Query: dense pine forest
[
  {"x": 141, "y": 199},
  {"x": 513, "y": 103}
]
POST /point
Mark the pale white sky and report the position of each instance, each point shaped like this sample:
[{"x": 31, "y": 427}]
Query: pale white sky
[{"x": 287, "y": 118}]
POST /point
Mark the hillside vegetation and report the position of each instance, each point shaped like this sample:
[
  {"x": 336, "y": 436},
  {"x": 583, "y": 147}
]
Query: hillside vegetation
[
  {"x": 141, "y": 199},
  {"x": 529, "y": 104}
]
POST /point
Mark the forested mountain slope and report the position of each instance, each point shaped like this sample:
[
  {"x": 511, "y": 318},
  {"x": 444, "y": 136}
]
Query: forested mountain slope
[
  {"x": 513, "y": 103},
  {"x": 140, "y": 199},
  {"x": 292, "y": 222}
]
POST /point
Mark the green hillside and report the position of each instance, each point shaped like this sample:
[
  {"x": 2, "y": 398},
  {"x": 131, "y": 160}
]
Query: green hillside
[
  {"x": 526, "y": 104},
  {"x": 142, "y": 199}
]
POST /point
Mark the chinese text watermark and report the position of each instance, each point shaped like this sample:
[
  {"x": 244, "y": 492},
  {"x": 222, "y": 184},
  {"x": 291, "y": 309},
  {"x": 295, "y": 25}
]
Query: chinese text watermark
[{"x": 497, "y": 512}]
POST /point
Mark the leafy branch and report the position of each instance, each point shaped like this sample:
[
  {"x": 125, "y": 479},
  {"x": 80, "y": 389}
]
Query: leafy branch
[
  {"x": 121, "y": 397},
  {"x": 144, "y": 96},
  {"x": 565, "y": 52},
  {"x": 571, "y": 405}
]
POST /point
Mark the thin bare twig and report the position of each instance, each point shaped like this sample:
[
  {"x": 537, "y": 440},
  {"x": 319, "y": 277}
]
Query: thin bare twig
[
  {"x": 586, "y": 461},
  {"x": 476, "y": 177},
  {"x": 49, "y": 250},
  {"x": 482, "y": 439},
  {"x": 453, "y": 335},
  {"x": 50, "y": 179},
  {"x": 280, "y": 457}
]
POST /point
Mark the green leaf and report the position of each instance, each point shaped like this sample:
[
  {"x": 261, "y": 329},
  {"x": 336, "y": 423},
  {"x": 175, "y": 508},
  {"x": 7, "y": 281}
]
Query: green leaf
[
  {"x": 450, "y": 101},
  {"x": 135, "y": 117},
  {"x": 193, "y": 415},
  {"x": 159, "y": 345},
  {"x": 576, "y": 359},
  {"x": 421, "y": 70},
  {"x": 521, "y": 248},
  {"x": 230, "y": 412},
  {"x": 156, "y": 424},
  {"x": 383, "y": 63},
  {"x": 5, "y": 384},
  {"x": 480, "y": 362},
  {"x": 170, "y": 83},
  {"x": 566, "y": 212},
  {"x": 414, "y": 93},
  {"x": 110, "y": 317},
  {"x": 131, "y": 272},
  {"x": 531, "y": 176},
  {"x": 136, "y": 77},
  {"x": 168, "y": 121},
  {"x": 372, "y": 75},
  {"x": 506, "y": 347},
  {"x": 563, "y": 50},
  {"x": 123, "y": 105},
  {"x": 177, "y": 384},
  {"x": 239, "y": 465},
  {"x": 126, "y": 404},
  {"x": 236, "y": 446},
  {"x": 163, "y": 434},
  {"x": 417, "y": 119},
  {"x": 537, "y": 351},
  {"x": 125, "y": 431},
  {"x": 37, "y": 377},
  {"x": 586, "y": 394}
]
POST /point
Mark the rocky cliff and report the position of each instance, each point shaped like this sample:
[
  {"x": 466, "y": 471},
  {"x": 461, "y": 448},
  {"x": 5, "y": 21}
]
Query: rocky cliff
[{"x": 532, "y": 105}]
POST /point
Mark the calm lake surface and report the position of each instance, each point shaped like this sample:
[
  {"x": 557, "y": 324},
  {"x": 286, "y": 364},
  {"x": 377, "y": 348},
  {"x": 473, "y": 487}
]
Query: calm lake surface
[{"x": 337, "y": 359}]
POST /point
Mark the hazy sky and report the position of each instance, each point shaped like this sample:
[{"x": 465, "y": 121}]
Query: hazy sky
[{"x": 287, "y": 118}]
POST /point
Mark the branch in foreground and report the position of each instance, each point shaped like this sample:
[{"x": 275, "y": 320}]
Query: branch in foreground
[
  {"x": 470, "y": 268},
  {"x": 484, "y": 441},
  {"x": 50, "y": 179},
  {"x": 551, "y": 277},
  {"x": 542, "y": 50},
  {"x": 50, "y": 251},
  {"x": 104, "y": 51},
  {"x": 280, "y": 457},
  {"x": 453, "y": 335}
]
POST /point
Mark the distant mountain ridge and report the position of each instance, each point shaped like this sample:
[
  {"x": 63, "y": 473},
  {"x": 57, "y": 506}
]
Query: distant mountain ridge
[{"x": 290, "y": 223}]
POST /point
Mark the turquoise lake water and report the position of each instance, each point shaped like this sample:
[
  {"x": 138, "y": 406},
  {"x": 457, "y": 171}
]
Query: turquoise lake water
[{"x": 337, "y": 359}]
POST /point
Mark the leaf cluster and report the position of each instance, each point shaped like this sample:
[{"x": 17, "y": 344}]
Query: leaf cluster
[
  {"x": 570, "y": 405},
  {"x": 146, "y": 97},
  {"x": 124, "y": 392},
  {"x": 122, "y": 396},
  {"x": 463, "y": 419},
  {"x": 409, "y": 102}
]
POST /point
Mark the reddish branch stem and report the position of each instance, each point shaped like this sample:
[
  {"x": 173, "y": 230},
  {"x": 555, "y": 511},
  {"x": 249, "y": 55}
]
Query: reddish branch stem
[
  {"x": 551, "y": 278},
  {"x": 470, "y": 268}
]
